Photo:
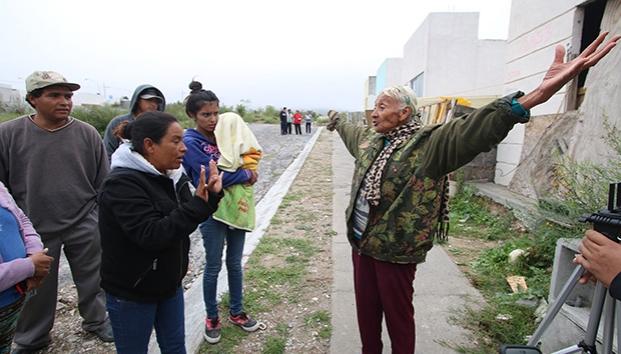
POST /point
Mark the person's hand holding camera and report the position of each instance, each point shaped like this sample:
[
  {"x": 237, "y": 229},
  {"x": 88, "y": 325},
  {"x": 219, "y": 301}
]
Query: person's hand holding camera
[{"x": 600, "y": 256}]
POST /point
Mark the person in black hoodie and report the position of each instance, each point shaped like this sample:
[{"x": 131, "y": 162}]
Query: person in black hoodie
[
  {"x": 146, "y": 98},
  {"x": 146, "y": 214}
]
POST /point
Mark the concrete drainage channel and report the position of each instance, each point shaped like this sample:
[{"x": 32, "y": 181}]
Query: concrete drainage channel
[{"x": 265, "y": 210}]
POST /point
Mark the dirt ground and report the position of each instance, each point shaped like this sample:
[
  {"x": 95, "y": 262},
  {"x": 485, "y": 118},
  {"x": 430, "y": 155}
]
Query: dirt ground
[
  {"x": 67, "y": 334},
  {"x": 464, "y": 250},
  {"x": 305, "y": 214}
]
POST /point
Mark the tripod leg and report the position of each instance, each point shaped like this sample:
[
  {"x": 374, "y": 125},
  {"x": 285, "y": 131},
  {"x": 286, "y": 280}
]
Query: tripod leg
[
  {"x": 569, "y": 350},
  {"x": 618, "y": 318},
  {"x": 597, "y": 305},
  {"x": 556, "y": 306},
  {"x": 609, "y": 324}
]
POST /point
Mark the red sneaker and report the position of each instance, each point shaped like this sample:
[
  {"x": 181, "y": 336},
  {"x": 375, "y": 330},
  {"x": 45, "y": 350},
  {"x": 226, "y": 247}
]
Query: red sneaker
[
  {"x": 244, "y": 322},
  {"x": 212, "y": 330}
]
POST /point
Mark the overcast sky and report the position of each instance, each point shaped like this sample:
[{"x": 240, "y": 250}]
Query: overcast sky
[{"x": 299, "y": 53}]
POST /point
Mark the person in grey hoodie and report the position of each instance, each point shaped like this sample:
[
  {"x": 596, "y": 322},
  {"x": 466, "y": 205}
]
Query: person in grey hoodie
[{"x": 146, "y": 98}]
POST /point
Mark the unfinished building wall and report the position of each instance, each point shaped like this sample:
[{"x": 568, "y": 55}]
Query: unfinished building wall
[
  {"x": 578, "y": 133},
  {"x": 602, "y": 101}
]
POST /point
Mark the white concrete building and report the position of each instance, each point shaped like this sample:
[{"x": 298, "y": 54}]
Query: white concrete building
[
  {"x": 445, "y": 57},
  {"x": 87, "y": 98},
  {"x": 9, "y": 96},
  {"x": 389, "y": 74},
  {"x": 369, "y": 93},
  {"x": 535, "y": 28}
]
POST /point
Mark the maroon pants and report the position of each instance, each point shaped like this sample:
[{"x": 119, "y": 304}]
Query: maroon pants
[{"x": 384, "y": 288}]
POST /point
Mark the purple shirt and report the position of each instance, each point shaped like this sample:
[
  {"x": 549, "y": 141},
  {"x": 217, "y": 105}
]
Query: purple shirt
[
  {"x": 200, "y": 151},
  {"x": 20, "y": 269}
]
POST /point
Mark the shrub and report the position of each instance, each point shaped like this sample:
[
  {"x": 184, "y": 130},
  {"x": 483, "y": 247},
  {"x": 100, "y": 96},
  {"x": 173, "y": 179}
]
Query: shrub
[
  {"x": 6, "y": 116},
  {"x": 272, "y": 111},
  {"x": 177, "y": 109},
  {"x": 322, "y": 120},
  {"x": 97, "y": 116},
  {"x": 241, "y": 110},
  {"x": 582, "y": 187}
]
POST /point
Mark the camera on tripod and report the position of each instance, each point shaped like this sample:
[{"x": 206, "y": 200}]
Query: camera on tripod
[{"x": 607, "y": 222}]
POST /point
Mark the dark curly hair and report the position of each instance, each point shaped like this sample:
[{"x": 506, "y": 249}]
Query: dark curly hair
[
  {"x": 198, "y": 98},
  {"x": 152, "y": 125}
]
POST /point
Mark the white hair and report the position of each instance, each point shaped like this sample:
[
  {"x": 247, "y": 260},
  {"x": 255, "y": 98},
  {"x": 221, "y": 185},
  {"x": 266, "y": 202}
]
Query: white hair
[{"x": 404, "y": 95}]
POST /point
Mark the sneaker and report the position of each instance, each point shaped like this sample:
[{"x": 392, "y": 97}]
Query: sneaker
[
  {"x": 104, "y": 332},
  {"x": 244, "y": 322},
  {"x": 212, "y": 330}
]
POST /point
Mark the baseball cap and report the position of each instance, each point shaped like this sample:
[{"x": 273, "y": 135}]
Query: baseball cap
[
  {"x": 41, "y": 79},
  {"x": 150, "y": 93}
]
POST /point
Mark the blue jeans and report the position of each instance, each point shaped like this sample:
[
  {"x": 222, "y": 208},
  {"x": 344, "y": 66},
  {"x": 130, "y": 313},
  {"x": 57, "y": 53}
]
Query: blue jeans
[
  {"x": 132, "y": 323},
  {"x": 214, "y": 235}
]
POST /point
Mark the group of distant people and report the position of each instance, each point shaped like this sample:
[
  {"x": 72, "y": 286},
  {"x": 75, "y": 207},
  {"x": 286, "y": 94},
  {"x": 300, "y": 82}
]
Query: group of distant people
[
  {"x": 288, "y": 118},
  {"x": 124, "y": 225},
  {"x": 122, "y": 209}
]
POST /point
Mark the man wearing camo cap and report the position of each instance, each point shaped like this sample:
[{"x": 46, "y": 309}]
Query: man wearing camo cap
[{"x": 54, "y": 165}]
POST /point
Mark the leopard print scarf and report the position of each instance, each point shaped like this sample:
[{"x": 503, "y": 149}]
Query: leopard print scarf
[
  {"x": 373, "y": 178},
  {"x": 442, "y": 229}
]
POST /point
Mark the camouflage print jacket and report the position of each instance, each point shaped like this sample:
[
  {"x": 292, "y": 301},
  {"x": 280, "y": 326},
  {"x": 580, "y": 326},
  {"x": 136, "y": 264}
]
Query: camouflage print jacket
[{"x": 400, "y": 229}]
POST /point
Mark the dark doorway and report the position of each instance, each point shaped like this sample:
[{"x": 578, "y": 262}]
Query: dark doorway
[{"x": 593, "y": 13}]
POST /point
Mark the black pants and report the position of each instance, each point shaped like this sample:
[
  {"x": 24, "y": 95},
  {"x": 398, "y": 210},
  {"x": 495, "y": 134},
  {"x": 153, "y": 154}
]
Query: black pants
[
  {"x": 298, "y": 129},
  {"x": 308, "y": 128},
  {"x": 283, "y": 127},
  {"x": 288, "y": 128}
]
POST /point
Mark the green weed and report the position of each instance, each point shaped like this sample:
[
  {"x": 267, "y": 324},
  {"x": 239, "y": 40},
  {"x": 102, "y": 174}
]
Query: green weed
[
  {"x": 276, "y": 344},
  {"x": 289, "y": 199},
  {"x": 581, "y": 187},
  {"x": 6, "y": 116},
  {"x": 320, "y": 322},
  {"x": 471, "y": 217},
  {"x": 303, "y": 227},
  {"x": 455, "y": 250},
  {"x": 501, "y": 319},
  {"x": 500, "y": 323},
  {"x": 231, "y": 336}
]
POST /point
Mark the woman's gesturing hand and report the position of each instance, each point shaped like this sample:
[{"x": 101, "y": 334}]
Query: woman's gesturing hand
[
  {"x": 561, "y": 72},
  {"x": 213, "y": 184}
]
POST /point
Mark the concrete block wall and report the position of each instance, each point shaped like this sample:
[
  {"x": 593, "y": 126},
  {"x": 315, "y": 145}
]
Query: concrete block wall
[{"x": 508, "y": 155}]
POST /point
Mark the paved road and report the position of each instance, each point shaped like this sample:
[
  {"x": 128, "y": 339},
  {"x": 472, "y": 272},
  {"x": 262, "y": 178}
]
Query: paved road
[{"x": 279, "y": 152}]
